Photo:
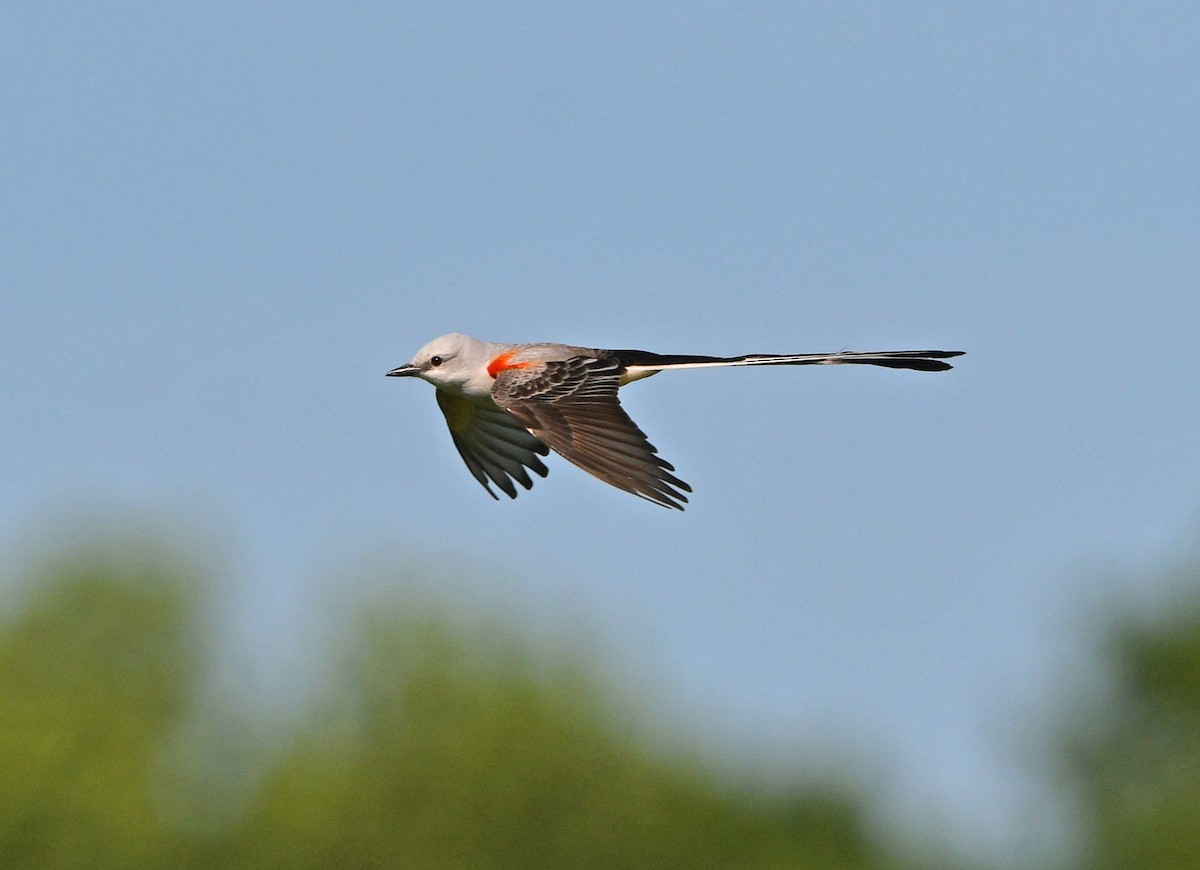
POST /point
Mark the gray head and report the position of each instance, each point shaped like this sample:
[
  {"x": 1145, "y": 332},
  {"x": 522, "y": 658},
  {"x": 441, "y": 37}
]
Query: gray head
[{"x": 448, "y": 361}]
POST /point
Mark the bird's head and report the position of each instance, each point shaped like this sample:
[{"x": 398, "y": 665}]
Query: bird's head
[{"x": 447, "y": 362}]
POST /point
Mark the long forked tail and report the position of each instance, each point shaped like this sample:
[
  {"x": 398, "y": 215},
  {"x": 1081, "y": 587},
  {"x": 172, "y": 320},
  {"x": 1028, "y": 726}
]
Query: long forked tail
[{"x": 639, "y": 361}]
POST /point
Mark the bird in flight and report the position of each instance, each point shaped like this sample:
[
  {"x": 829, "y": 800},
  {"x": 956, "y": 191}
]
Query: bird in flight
[{"x": 508, "y": 405}]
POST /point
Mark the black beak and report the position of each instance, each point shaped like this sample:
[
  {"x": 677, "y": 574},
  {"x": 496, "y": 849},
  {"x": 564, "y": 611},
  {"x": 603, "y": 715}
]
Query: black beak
[{"x": 404, "y": 371}]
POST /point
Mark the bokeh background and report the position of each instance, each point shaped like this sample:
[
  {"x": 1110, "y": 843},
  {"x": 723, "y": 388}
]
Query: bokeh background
[{"x": 255, "y": 610}]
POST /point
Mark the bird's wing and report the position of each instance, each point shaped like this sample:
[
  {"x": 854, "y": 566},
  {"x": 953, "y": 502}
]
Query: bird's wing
[
  {"x": 572, "y": 405},
  {"x": 493, "y": 443}
]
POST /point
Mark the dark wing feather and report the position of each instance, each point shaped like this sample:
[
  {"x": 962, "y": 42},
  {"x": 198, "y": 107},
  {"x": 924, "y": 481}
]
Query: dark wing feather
[
  {"x": 572, "y": 406},
  {"x": 495, "y": 446}
]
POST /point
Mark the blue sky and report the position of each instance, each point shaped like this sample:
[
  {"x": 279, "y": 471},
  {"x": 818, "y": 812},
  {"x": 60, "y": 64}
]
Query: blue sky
[{"x": 220, "y": 226}]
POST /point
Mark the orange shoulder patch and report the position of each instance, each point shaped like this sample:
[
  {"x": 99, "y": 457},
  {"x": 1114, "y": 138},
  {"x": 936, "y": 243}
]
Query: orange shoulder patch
[{"x": 503, "y": 362}]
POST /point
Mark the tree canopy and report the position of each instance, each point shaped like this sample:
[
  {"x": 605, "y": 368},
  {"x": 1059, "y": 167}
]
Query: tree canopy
[{"x": 436, "y": 747}]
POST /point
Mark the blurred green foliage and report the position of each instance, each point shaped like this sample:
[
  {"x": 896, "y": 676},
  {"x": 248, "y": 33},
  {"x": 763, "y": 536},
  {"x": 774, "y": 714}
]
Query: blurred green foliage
[
  {"x": 1133, "y": 758},
  {"x": 434, "y": 748},
  {"x": 437, "y": 746},
  {"x": 93, "y": 673}
]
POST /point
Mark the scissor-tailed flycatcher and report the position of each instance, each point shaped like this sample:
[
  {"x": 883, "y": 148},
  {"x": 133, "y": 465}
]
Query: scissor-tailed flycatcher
[{"x": 508, "y": 404}]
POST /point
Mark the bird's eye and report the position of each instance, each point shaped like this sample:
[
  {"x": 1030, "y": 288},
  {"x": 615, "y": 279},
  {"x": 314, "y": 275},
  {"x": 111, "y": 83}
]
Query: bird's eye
[{"x": 435, "y": 361}]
